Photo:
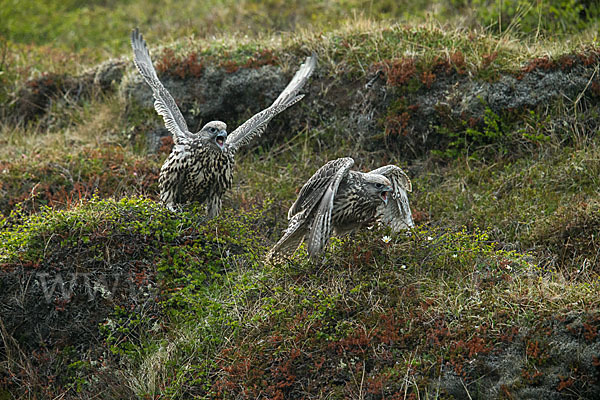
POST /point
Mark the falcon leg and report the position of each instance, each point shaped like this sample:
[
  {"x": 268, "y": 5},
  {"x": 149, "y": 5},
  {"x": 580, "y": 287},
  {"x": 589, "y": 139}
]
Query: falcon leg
[
  {"x": 167, "y": 197},
  {"x": 214, "y": 206}
]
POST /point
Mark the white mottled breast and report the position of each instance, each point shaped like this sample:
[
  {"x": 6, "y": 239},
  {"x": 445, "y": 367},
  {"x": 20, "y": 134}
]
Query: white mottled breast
[{"x": 195, "y": 171}]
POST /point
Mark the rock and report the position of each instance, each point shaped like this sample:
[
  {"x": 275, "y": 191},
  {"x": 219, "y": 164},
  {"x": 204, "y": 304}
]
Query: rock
[
  {"x": 417, "y": 120},
  {"x": 108, "y": 74},
  {"x": 562, "y": 351},
  {"x": 34, "y": 98},
  {"x": 215, "y": 95}
]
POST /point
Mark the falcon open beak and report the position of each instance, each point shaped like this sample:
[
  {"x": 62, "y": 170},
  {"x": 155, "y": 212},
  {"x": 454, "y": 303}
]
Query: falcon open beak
[
  {"x": 220, "y": 139},
  {"x": 384, "y": 196}
]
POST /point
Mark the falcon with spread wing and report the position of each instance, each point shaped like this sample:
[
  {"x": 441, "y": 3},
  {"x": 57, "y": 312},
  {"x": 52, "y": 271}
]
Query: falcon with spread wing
[
  {"x": 338, "y": 200},
  {"x": 200, "y": 165}
]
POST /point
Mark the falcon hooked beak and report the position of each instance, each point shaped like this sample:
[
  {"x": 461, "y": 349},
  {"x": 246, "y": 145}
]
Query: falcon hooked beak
[
  {"x": 384, "y": 196},
  {"x": 220, "y": 139}
]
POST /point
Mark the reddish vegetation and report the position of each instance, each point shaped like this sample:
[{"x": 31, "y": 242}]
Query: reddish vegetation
[
  {"x": 398, "y": 72},
  {"x": 589, "y": 58},
  {"x": 488, "y": 59},
  {"x": 506, "y": 392},
  {"x": 46, "y": 83},
  {"x": 590, "y": 329},
  {"x": 395, "y": 124},
  {"x": 166, "y": 144},
  {"x": 540, "y": 63},
  {"x": 536, "y": 352},
  {"x": 303, "y": 352},
  {"x": 402, "y": 71},
  {"x": 260, "y": 58},
  {"x": 295, "y": 359},
  {"x": 455, "y": 63},
  {"x": 566, "y": 62},
  {"x": 532, "y": 376},
  {"x": 188, "y": 66},
  {"x": 596, "y": 88},
  {"x": 457, "y": 60},
  {"x": 419, "y": 216},
  {"x": 33, "y": 99},
  {"x": 565, "y": 383},
  {"x": 100, "y": 172},
  {"x": 427, "y": 78},
  {"x": 257, "y": 60},
  {"x": 192, "y": 66}
]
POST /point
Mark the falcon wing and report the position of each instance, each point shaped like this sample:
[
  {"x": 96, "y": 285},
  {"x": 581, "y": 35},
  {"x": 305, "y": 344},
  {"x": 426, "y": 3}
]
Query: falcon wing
[
  {"x": 292, "y": 238},
  {"x": 396, "y": 212},
  {"x": 310, "y": 196},
  {"x": 320, "y": 229},
  {"x": 315, "y": 187},
  {"x": 256, "y": 125},
  {"x": 163, "y": 101}
]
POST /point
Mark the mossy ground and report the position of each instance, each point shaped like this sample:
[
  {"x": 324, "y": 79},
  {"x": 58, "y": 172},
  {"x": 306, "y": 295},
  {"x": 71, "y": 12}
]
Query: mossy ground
[{"x": 493, "y": 295}]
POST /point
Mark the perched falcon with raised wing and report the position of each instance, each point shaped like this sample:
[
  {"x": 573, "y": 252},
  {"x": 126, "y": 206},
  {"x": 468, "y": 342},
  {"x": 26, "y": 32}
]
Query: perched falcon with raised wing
[
  {"x": 200, "y": 165},
  {"x": 338, "y": 200}
]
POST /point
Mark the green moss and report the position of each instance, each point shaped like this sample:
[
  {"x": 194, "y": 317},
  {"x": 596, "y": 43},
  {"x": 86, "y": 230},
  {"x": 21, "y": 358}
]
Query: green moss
[
  {"x": 370, "y": 305},
  {"x": 490, "y": 137}
]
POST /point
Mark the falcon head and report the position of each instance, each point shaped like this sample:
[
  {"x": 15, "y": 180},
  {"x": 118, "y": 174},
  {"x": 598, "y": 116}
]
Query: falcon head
[
  {"x": 215, "y": 133},
  {"x": 378, "y": 187}
]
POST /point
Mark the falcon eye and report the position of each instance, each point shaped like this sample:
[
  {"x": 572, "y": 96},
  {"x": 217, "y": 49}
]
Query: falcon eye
[
  {"x": 378, "y": 185},
  {"x": 212, "y": 129}
]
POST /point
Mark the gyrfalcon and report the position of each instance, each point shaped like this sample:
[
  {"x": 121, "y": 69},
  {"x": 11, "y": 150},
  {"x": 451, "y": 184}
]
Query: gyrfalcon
[
  {"x": 200, "y": 165},
  {"x": 338, "y": 200}
]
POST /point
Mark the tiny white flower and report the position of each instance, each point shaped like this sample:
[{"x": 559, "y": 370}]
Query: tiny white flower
[
  {"x": 454, "y": 255},
  {"x": 403, "y": 266},
  {"x": 386, "y": 239},
  {"x": 134, "y": 173},
  {"x": 103, "y": 291},
  {"x": 508, "y": 267},
  {"x": 429, "y": 238},
  {"x": 110, "y": 324}
]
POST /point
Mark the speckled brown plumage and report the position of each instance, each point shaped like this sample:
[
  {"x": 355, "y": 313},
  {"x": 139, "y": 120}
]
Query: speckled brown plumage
[
  {"x": 200, "y": 166},
  {"x": 196, "y": 170},
  {"x": 337, "y": 200}
]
